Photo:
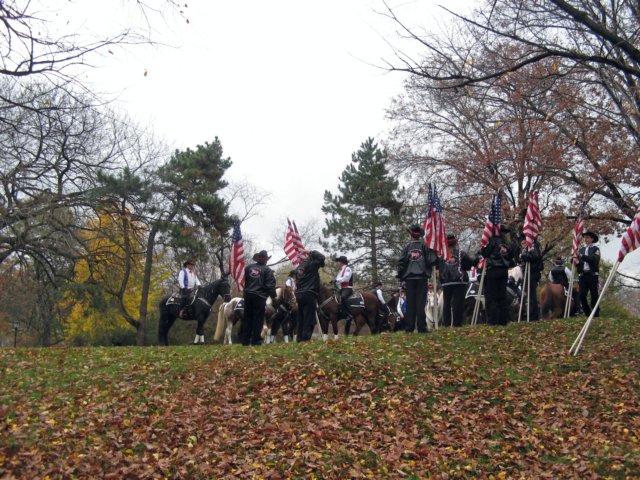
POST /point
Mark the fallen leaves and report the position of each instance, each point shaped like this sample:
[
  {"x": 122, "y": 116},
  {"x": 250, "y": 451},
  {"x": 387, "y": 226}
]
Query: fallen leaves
[{"x": 470, "y": 402}]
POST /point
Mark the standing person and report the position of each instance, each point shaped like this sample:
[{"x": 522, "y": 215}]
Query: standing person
[
  {"x": 383, "y": 308},
  {"x": 344, "y": 280},
  {"x": 499, "y": 257},
  {"x": 532, "y": 256},
  {"x": 187, "y": 281},
  {"x": 454, "y": 280},
  {"x": 401, "y": 309},
  {"x": 414, "y": 269},
  {"x": 259, "y": 283},
  {"x": 308, "y": 288},
  {"x": 589, "y": 269}
]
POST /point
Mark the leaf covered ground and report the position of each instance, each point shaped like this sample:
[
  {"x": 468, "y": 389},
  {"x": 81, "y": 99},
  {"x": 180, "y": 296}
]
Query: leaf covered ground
[{"x": 483, "y": 402}]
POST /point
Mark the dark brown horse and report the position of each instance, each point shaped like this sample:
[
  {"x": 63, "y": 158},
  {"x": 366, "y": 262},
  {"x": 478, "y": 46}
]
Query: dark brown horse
[
  {"x": 364, "y": 312},
  {"x": 286, "y": 315},
  {"x": 553, "y": 300}
]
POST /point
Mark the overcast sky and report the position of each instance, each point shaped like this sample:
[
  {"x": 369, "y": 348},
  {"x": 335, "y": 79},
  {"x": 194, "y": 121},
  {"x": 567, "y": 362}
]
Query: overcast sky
[{"x": 290, "y": 87}]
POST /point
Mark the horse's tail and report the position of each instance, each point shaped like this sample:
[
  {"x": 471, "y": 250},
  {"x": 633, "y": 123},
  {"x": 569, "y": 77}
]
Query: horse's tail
[
  {"x": 546, "y": 301},
  {"x": 221, "y": 323}
]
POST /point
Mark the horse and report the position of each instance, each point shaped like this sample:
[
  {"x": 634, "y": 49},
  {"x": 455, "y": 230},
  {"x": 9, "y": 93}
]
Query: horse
[
  {"x": 286, "y": 315},
  {"x": 364, "y": 307},
  {"x": 232, "y": 312},
  {"x": 430, "y": 309},
  {"x": 553, "y": 298},
  {"x": 198, "y": 309}
]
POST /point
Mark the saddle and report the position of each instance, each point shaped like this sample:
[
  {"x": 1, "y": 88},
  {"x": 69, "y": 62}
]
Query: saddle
[
  {"x": 356, "y": 300},
  {"x": 239, "y": 306},
  {"x": 176, "y": 298}
]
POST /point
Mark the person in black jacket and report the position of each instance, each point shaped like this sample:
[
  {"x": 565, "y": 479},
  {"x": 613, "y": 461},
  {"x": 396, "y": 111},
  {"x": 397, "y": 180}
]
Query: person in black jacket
[
  {"x": 414, "y": 269},
  {"x": 532, "y": 256},
  {"x": 589, "y": 269},
  {"x": 499, "y": 257},
  {"x": 259, "y": 283},
  {"x": 308, "y": 288},
  {"x": 454, "y": 280}
]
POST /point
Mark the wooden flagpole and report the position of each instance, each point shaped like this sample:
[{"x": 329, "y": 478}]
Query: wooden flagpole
[
  {"x": 476, "y": 307},
  {"x": 567, "y": 304},
  {"x": 436, "y": 320},
  {"x": 578, "y": 341}
]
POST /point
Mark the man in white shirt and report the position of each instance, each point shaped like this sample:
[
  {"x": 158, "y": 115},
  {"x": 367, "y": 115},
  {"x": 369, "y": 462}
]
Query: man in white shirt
[
  {"x": 383, "y": 308},
  {"x": 344, "y": 281},
  {"x": 187, "y": 281}
]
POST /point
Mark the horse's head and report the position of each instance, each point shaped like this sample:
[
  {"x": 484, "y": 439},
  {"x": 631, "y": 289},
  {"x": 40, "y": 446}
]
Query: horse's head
[
  {"x": 224, "y": 287},
  {"x": 289, "y": 297}
]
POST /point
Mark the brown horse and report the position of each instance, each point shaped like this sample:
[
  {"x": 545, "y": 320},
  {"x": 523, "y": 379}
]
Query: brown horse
[
  {"x": 552, "y": 301},
  {"x": 364, "y": 312}
]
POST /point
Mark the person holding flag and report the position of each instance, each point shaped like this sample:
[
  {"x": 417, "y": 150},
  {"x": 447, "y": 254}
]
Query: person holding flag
[
  {"x": 414, "y": 269},
  {"x": 532, "y": 255},
  {"x": 259, "y": 283},
  {"x": 454, "y": 280},
  {"x": 498, "y": 256},
  {"x": 308, "y": 289},
  {"x": 588, "y": 267}
]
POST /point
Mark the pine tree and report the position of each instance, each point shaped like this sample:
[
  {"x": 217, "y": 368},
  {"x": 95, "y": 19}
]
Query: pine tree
[{"x": 363, "y": 218}]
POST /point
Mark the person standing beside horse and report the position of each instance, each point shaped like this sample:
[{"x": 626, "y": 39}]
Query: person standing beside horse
[
  {"x": 588, "y": 267},
  {"x": 259, "y": 284},
  {"x": 533, "y": 256},
  {"x": 499, "y": 257},
  {"x": 308, "y": 288},
  {"x": 187, "y": 281},
  {"x": 414, "y": 269},
  {"x": 454, "y": 280}
]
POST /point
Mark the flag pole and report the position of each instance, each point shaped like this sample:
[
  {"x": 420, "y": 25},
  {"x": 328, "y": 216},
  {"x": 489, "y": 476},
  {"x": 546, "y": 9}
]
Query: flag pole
[
  {"x": 476, "y": 307},
  {"x": 525, "y": 285},
  {"x": 435, "y": 300},
  {"x": 578, "y": 341},
  {"x": 567, "y": 305}
]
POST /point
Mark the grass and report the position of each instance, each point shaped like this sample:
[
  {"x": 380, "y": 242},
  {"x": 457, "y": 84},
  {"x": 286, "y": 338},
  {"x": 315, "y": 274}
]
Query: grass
[{"x": 475, "y": 402}]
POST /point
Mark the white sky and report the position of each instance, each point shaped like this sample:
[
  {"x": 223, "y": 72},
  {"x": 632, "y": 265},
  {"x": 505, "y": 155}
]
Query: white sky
[{"x": 290, "y": 87}]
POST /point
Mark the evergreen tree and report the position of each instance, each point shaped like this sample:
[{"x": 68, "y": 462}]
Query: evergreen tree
[{"x": 363, "y": 218}]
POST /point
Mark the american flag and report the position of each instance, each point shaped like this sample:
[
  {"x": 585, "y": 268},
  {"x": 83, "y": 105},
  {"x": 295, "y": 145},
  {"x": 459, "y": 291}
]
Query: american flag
[
  {"x": 631, "y": 238},
  {"x": 236, "y": 260},
  {"x": 577, "y": 236},
  {"x": 532, "y": 220},
  {"x": 492, "y": 225},
  {"x": 436, "y": 234},
  {"x": 293, "y": 244}
]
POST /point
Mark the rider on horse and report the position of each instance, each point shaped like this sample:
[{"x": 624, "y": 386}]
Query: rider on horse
[
  {"x": 187, "y": 281},
  {"x": 559, "y": 273},
  {"x": 344, "y": 280}
]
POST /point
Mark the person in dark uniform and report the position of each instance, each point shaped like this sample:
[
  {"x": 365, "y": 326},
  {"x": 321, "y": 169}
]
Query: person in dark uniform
[
  {"x": 308, "y": 288},
  {"x": 533, "y": 256},
  {"x": 414, "y": 269},
  {"x": 588, "y": 267},
  {"x": 559, "y": 273},
  {"x": 454, "y": 280},
  {"x": 499, "y": 257},
  {"x": 259, "y": 283}
]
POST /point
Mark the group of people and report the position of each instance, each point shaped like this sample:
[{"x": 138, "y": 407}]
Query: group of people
[{"x": 414, "y": 270}]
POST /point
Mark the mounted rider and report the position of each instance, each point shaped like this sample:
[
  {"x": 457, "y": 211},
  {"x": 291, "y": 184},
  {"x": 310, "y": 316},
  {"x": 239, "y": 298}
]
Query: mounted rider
[
  {"x": 187, "y": 282},
  {"x": 559, "y": 273},
  {"x": 383, "y": 308},
  {"x": 344, "y": 281}
]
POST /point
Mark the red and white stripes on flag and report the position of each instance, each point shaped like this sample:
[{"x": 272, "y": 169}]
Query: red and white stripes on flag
[
  {"x": 434, "y": 227},
  {"x": 578, "y": 229},
  {"x": 631, "y": 238},
  {"x": 492, "y": 224},
  {"x": 532, "y": 221},
  {"x": 293, "y": 247},
  {"x": 236, "y": 259}
]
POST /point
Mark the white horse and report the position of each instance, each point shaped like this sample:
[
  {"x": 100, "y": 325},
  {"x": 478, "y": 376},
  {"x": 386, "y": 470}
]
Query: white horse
[
  {"x": 430, "y": 310},
  {"x": 229, "y": 316}
]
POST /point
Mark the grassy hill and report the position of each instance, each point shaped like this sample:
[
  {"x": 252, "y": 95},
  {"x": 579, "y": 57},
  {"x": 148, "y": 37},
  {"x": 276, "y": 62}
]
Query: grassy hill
[{"x": 484, "y": 402}]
